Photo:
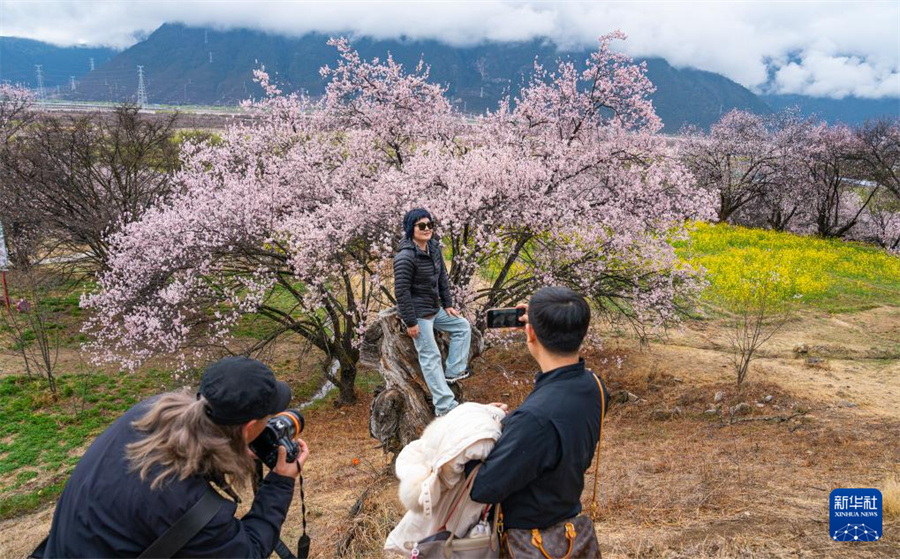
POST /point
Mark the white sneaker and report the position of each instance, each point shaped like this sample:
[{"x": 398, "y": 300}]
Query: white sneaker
[{"x": 463, "y": 375}]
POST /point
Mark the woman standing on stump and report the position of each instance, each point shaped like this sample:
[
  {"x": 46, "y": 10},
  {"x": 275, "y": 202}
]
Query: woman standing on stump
[{"x": 424, "y": 302}]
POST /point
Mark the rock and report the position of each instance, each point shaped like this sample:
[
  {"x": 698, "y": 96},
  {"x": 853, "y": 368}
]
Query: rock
[
  {"x": 760, "y": 405},
  {"x": 661, "y": 415},
  {"x": 846, "y": 404},
  {"x": 769, "y": 399},
  {"x": 623, "y": 397},
  {"x": 719, "y": 396},
  {"x": 741, "y": 409},
  {"x": 676, "y": 411},
  {"x": 712, "y": 411},
  {"x": 817, "y": 363},
  {"x": 676, "y": 379},
  {"x": 801, "y": 349}
]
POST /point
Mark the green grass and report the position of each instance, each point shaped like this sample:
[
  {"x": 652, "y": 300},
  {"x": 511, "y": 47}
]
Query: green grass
[
  {"x": 256, "y": 326},
  {"x": 26, "y": 502},
  {"x": 42, "y": 434},
  {"x": 832, "y": 275}
]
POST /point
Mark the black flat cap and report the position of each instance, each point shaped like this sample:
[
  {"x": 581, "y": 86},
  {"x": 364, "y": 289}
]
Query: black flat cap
[{"x": 239, "y": 389}]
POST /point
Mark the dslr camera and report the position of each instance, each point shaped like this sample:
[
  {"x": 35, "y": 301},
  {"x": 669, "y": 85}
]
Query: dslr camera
[{"x": 281, "y": 430}]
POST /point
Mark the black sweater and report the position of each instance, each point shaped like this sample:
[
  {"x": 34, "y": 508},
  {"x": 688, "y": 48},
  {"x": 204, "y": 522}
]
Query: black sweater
[
  {"x": 107, "y": 511},
  {"x": 421, "y": 285},
  {"x": 536, "y": 469}
]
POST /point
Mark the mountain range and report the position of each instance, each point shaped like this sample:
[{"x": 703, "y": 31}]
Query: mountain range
[
  {"x": 19, "y": 58},
  {"x": 195, "y": 66}
]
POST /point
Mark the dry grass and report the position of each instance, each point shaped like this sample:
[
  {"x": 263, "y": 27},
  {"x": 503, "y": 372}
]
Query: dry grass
[
  {"x": 692, "y": 486},
  {"x": 891, "y": 499},
  {"x": 697, "y": 485}
]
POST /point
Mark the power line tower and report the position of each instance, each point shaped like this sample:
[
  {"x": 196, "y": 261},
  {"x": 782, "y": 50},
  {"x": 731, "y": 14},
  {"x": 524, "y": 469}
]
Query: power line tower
[
  {"x": 141, "y": 92},
  {"x": 42, "y": 97},
  {"x": 92, "y": 63},
  {"x": 72, "y": 83}
]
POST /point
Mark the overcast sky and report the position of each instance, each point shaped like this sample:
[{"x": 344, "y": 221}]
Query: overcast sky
[{"x": 828, "y": 49}]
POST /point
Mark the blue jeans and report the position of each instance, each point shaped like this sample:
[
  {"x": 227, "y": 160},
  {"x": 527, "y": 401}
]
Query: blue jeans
[{"x": 430, "y": 356}]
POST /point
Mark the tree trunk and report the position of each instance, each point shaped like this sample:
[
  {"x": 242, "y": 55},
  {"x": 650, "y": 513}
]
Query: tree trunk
[
  {"x": 402, "y": 407},
  {"x": 346, "y": 392}
]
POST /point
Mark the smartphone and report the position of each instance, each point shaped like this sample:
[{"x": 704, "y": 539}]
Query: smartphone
[{"x": 505, "y": 318}]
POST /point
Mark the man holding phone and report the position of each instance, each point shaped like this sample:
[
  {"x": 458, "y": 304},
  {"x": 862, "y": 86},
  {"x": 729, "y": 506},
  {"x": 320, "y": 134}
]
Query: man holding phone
[
  {"x": 536, "y": 470},
  {"x": 425, "y": 304}
]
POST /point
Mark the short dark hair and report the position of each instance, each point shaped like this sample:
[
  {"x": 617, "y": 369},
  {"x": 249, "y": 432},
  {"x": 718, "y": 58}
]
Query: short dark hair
[
  {"x": 410, "y": 219},
  {"x": 560, "y": 318}
]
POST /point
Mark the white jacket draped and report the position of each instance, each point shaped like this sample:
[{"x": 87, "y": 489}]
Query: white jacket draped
[{"x": 430, "y": 470}]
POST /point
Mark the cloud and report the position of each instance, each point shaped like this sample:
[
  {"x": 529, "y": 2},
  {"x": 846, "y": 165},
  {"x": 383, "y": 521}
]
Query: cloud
[
  {"x": 837, "y": 76},
  {"x": 829, "y": 49}
]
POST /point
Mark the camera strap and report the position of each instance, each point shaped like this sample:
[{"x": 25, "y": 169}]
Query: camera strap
[
  {"x": 304, "y": 541},
  {"x": 283, "y": 551},
  {"x": 186, "y": 527}
]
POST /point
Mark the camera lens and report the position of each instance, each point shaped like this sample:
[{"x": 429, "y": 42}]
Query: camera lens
[
  {"x": 291, "y": 423},
  {"x": 281, "y": 430}
]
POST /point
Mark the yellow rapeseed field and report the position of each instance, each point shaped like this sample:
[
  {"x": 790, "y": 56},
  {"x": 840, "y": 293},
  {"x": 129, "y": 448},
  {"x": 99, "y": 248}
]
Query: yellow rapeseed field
[{"x": 743, "y": 264}]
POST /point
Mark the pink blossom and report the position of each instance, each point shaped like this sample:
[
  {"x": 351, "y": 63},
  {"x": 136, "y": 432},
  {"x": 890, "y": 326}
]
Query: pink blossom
[{"x": 295, "y": 216}]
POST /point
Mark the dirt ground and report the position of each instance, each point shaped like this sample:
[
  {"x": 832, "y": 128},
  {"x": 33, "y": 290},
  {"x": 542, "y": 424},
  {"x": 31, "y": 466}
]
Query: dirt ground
[{"x": 676, "y": 481}]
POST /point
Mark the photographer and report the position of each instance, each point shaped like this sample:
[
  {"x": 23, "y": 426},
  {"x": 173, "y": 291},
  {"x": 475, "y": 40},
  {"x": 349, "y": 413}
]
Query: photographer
[
  {"x": 424, "y": 302},
  {"x": 151, "y": 466},
  {"x": 536, "y": 469}
]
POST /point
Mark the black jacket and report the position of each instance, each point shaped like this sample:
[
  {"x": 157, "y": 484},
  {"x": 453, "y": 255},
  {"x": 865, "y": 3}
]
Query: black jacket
[
  {"x": 105, "y": 511},
  {"x": 536, "y": 469},
  {"x": 421, "y": 285}
]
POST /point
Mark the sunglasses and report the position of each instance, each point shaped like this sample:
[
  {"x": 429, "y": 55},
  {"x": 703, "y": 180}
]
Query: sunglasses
[{"x": 424, "y": 226}]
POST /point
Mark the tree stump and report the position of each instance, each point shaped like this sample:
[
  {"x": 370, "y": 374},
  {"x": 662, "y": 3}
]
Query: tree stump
[{"x": 402, "y": 407}]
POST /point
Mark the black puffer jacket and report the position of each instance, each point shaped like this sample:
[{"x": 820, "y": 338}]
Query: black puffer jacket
[{"x": 421, "y": 285}]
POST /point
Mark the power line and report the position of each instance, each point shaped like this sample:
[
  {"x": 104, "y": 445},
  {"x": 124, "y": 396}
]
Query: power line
[
  {"x": 142, "y": 92},
  {"x": 40, "y": 84}
]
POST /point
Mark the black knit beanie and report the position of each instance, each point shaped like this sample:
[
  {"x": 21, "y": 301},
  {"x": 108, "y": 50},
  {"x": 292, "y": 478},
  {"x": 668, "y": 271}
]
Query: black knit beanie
[{"x": 410, "y": 219}]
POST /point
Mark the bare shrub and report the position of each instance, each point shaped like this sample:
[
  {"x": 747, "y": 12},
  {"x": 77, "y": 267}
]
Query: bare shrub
[
  {"x": 31, "y": 321},
  {"x": 77, "y": 179}
]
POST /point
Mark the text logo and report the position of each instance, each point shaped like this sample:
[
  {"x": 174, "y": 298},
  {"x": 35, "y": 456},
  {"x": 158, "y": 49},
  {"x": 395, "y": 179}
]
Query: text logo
[{"x": 855, "y": 515}]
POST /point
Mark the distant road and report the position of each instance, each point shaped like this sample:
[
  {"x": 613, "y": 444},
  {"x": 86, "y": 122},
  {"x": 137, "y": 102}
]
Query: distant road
[
  {"x": 191, "y": 116},
  {"x": 204, "y": 116},
  {"x": 151, "y": 109}
]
